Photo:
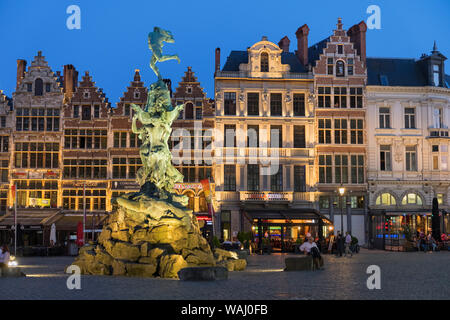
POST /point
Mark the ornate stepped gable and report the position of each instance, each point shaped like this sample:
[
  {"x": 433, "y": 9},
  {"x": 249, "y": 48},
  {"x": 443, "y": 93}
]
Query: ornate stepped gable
[
  {"x": 189, "y": 89},
  {"x": 136, "y": 93},
  {"x": 86, "y": 93}
]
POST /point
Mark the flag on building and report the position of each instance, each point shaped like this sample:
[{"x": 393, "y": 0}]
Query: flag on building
[{"x": 208, "y": 195}]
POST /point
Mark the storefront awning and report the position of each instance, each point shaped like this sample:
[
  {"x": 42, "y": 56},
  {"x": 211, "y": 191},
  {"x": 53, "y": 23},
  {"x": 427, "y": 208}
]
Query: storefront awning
[
  {"x": 29, "y": 217},
  {"x": 69, "y": 222},
  {"x": 288, "y": 214}
]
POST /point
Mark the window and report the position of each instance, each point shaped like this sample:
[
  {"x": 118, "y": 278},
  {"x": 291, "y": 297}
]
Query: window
[
  {"x": 4, "y": 170},
  {"x": 440, "y": 198},
  {"x": 137, "y": 94},
  {"x": 436, "y": 75},
  {"x": 135, "y": 142},
  {"x": 435, "y": 150},
  {"x": 253, "y": 104},
  {"x": 95, "y": 199},
  {"x": 225, "y": 223},
  {"x": 36, "y": 155},
  {"x": 230, "y": 103},
  {"x": 85, "y": 139},
  {"x": 120, "y": 139},
  {"x": 229, "y": 136},
  {"x": 48, "y": 87},
  {"x": 276, "y": 136},
  {"x": 340, "y": 97},
  {"x": 85, "y": 168},
  {"x": 411, "y": 158},
  {"x": 299, "y": 178},
  {"x": 340, "y": 68},
  {"x": 385, "y": 158},
  {"x": 325, "y": 131},
  {"x": 134, "y": 164},
  {"x": 330, "y": 66},
  {"x": 229, "y": 174},
  {"x": 357, "y": 168},
  {"x": 119, "y": 168},
  {"x": 385, "y": 199},
  {"x": 275, "y": 104},
  {"x": 189, "y": 111},
  {"x": 356, "y": 98},
  {"x": 357, "y": 202},
  {"x": 38, "y": 87},
  {"x": 276, "y": 180},
  {"x": 253, "y": 177},
  {"x": 410, "y": 118},
  {"x": 412, "y": 198},
  {"x": 340, "y": 131},
  {"x": 4, "y": 143},
  {"x": 385, "y": 118},
  {"x": 96, "y": 111},
  {"x": 189, "y": 90},
  {"x": 252, "y": 136},
  {"x": 29, "y": 87},
  {"x": 325, "y": 169},
  {"x": 86, "y": 113},
  {"x": 126, "y": 109},
  {"x": 3, "y": 121},
  {"x": 356, "y": 131},
  {"x": 340, "y": 168},
  {"x": 198, "y": 114},
  {"x": 76, "y": 111},
  {"x": 444, "y": 157},
  {"x": 37, "y": 119},
  {"x": 350, "y": 66},
  {"x": 264, "y": 62},
  {"x": 198, "y": 104},
  {"x": 324, "y": 202},
  {"x": 299, "y": 137},
  {"x": 437, "y": 118},
  {"x": 340, "y": 49},
  {"x": 299, "y": 104},
  {"x": 384, "y": 80},
  {"x": 324, "y": 97},
  {"x": 188, "y": 173},
  {"x": 31, "y": 193}
]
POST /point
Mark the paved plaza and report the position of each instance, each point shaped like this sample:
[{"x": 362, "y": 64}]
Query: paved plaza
[{"x": 414, "y": 275}]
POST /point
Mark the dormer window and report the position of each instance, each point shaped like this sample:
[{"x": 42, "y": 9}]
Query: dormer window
[
  {"x": 340, "y": 68},
  {"x": 137, "y": 94},
  {"x": 189, "y": 90},
  {"x": 340, "y": 49},
  {"x": 38, "y": 87},
  {"x": 86, "y": 94},
  {"x": 264, "y": 62},
  {"x": 436, "y": 75}
]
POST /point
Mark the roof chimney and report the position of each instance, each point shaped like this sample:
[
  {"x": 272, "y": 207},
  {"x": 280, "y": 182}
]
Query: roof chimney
[
  {"x": 302, "y": 44},
  {"x": 217, "y": 63},
  {"x": 70, "y": 81},
  {"x": 21, "y": 67},
  {"x": 137, "y": 75},
  {"x": 284, "y": 44},
  {"x": 357, "y": 35}
]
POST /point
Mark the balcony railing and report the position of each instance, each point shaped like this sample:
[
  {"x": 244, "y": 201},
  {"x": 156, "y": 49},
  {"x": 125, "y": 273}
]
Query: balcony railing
[
  {"x": 245, "y": 74},
  {"x": 438, "y": 132}
]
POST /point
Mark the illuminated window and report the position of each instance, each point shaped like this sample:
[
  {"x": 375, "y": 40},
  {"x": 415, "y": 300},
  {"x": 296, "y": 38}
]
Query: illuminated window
[
  {"x": 36, "y": 155},
  {"x": 412, "y": 198},
  {"x": 4, "y": 169},
  {"x": 440, "y": 198},
  {"x": 385, "y": 199},
  {"x": 264, "y": 62},
  {"x": 37, "y": 193},
  {"x": 95, "y": 199},
  {"x": 4, "y": 143},
  {"x": 340, "y": 97},
  {"x": 85, "y": 168}
]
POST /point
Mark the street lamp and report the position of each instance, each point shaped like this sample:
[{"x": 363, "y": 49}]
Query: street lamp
[{"x": 341, "y": 193}]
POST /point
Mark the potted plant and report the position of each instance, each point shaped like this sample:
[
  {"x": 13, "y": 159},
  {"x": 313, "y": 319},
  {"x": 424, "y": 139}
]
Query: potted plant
[{"x": 407, "y": 232}]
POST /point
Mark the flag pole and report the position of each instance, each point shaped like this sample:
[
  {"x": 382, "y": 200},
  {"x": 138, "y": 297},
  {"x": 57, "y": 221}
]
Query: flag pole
[
  {"x": 15, "y": 219},
  {"x": 84, "y": 213},
  {"x": 211, "y": 209}
]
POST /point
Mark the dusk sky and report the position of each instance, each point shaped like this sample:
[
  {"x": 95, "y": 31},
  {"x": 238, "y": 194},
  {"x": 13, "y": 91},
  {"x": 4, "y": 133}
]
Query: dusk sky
[{"x": 112, "y": 41}]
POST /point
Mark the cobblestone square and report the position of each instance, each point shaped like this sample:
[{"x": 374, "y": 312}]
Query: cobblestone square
[{"x": 414, "y": 275}]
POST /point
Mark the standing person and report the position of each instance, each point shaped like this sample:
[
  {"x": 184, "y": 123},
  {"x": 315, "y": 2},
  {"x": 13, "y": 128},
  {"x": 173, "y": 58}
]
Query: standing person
[
  {"x": 348, "y": 242},
  {"x": 4, "y": 257},
  {"x": 310, "y": 248},
  {"x": 339, "y": 244}
]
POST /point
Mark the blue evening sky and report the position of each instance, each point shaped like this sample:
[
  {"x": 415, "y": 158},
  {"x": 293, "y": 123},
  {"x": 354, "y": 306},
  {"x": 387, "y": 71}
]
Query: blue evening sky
[{"x": 112, "y": 41}]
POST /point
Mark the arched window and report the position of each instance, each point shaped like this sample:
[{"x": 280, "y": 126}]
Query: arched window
[
  {"x": 38, "y": 87},
  {"x": 412, "y": 198},
  {"x": 385, "y": 199},
  {"x": 340, "y": 68},
  {"x": 264, "y": 62},
  {"x": 189, "y": 111}
]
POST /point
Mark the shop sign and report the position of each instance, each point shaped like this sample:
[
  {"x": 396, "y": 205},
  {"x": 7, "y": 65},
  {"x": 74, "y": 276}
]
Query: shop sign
[
  {"x": 81, "y": 184},
  {"x": 184, "y": 186},
  {"x": 203, "y": 218},
  {"x": 35, "y": 175},
  {"x": 20, "y": 175},
  {"x": 34, "y": 227},
  {"x": 51, "y": 175},
  {"x": 125, "y": 185},
  {"x": 39, "y": 202}
]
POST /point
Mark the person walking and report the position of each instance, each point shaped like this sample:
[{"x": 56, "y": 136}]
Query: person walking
[
  {"x": 4, "y": 257},
  {"x": 339, "y": 244},
  {"x": 348, "y": 242}
]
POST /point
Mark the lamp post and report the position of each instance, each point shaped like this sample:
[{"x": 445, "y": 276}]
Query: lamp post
[{"x": 341, "y": 193}]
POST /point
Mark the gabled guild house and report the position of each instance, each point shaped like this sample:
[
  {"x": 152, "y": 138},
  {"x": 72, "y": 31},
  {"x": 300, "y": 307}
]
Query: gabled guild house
[
  {"x": 264, "y": 144},
  {"x": 408, "y": 102}
]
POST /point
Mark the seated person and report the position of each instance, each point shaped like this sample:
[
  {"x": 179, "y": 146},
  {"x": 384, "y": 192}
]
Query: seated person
[{"x": 309, "y": 247}]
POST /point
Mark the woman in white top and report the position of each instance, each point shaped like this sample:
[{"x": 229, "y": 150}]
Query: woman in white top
[{"x": 4, "y": 257}]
